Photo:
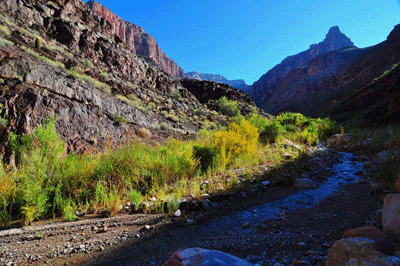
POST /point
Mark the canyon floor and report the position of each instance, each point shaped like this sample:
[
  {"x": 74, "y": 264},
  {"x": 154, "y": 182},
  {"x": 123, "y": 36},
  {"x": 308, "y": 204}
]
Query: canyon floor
[{"x": 298, "y": 237}]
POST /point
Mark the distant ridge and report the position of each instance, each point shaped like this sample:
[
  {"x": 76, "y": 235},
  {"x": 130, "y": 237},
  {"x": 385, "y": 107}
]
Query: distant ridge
[{"x": 239, "y": 84}]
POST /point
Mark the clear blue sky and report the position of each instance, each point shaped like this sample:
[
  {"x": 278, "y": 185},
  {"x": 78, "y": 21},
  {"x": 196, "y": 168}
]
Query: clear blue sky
[{"x": 243, "y": 39}]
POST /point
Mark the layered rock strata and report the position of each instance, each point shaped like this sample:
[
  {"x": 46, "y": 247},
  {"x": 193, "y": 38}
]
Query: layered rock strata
[{"x": 137, "y": 39}]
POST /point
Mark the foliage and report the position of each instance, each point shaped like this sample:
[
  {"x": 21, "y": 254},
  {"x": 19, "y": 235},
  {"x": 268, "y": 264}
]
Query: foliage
[
  {"x": 135, "y": 197},
  {"x": 295, "y": 127},
  {"x": 47, "y": 181},
  {"x": 206, "y": 155},
  {"x": 228, "y": 107},
  {"x": 239, "y": 139},
  {"x": 388, "y": 172}
]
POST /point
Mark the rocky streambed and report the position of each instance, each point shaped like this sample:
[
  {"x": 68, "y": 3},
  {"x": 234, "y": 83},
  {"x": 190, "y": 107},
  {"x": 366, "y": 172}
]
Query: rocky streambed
[{"x": 268, "y": 225}]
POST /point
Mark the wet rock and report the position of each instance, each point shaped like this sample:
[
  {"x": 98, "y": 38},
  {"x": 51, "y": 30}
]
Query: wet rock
[
  {"x": 199, "y": 257},
  {"x": 206, "y": 205},
  {"x": 382, "y": 241},
  {"x": 305, "y": 183},
  {"x": 358, "y": 251},
  {"x": 391, "y": 215}
]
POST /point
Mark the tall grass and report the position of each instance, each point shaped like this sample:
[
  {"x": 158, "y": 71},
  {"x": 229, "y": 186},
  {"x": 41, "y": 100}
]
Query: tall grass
[{"x": 48, "y": 181}]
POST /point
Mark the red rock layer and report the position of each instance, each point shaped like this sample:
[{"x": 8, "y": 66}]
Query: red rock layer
[{"x": 138, "y": 40}]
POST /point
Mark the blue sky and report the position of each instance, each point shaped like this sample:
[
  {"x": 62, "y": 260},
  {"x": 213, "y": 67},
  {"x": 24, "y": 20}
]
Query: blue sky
[{"x": 243, "y": 39}]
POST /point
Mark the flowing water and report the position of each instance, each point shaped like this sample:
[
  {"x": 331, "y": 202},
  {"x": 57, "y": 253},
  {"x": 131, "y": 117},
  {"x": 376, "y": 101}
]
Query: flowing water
[{"x": 344, "y": 173}]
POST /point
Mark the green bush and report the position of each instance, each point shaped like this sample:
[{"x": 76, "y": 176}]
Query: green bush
[
  {"x": 206, "y": 155},
  {"x": 388, "y": 171},
  {"x": 228, "y": 107}
]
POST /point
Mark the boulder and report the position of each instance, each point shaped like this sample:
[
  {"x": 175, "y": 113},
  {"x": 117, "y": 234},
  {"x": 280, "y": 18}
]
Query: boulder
[
  {"x": 305, "y": 183},
  {"x": 382, "y": 241},
  {"x": 391, "y": 215},
  {"x": 358, "y": 251},
  {"x": 203, "y": 257}
]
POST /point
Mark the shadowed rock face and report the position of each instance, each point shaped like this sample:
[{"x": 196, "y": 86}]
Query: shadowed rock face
[
  {"x": 293, "y": 72},
  {"x": 138, "y": 40}
]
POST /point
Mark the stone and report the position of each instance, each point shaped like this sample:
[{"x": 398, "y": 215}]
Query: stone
[
  {"x": 358, "y": 251},
  {"x": 203, "y": 257},
  {"x": 137, "y": 39},
  {"x": 178, "y": 213},
  {"x": 368, "y": 165},
  {"x": 206, "y": 205},
  {"x": 391, "y": 215},
  {"x": 305, "y": 183},
  {"x": 382, "y": 241}
]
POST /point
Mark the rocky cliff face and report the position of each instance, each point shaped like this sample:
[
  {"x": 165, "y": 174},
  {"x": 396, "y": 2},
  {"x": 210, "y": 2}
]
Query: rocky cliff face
[
  {"x": 138, "y": 40},
  {"x": 239, "y": 84},
  {"x": 61, "y": 59},
  {"x": 263, "y": 89},
  {"x": 347, "y": 83}
]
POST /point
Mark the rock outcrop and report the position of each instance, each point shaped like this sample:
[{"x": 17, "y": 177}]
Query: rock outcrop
[
  {"x": 391, "y": 215},
  {"x": 239, "y": 84},
  {"x": 293, "y": 79},
  {"x": 61, "y": 59},
  {"x": 347, "y": 83},
  {"x": 358, "y": 251},
  {"x": 138, "y": 40}
]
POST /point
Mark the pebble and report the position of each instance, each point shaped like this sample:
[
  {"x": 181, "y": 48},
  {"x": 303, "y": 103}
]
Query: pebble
[{"x": 178, "y": 213}]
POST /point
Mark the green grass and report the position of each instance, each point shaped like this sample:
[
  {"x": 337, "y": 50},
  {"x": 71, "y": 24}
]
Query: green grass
[
  {"x": 42, "y": 58},
  {"x": 78, "y": 74},
  {"x": 48, "y": 181}
]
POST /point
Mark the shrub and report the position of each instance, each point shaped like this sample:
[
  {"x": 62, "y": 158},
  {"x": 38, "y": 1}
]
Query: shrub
[
  {"x": 237, "y": 140},
  {"x": 228, "y": 107},
  {"x": 135, "y": 197},
  {"x": 388, "y": 171},
  {"x": 206, "y": 155}
]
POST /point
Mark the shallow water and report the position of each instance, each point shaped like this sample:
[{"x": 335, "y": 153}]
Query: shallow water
[{"x": 344, "y": 173}]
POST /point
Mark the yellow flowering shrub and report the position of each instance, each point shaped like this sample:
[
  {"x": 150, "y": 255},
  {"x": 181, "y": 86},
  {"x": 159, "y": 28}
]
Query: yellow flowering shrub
[{"x": 239, "y": 139}]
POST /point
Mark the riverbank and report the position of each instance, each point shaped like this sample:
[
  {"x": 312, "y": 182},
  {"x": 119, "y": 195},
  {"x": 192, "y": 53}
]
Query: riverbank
[{"x": 151, "y": 239}]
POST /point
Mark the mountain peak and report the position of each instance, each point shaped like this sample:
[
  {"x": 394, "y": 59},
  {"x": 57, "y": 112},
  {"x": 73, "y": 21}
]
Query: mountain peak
[
  {"x": 334, "y": 30},
  {"x": 336, "y": 39}
]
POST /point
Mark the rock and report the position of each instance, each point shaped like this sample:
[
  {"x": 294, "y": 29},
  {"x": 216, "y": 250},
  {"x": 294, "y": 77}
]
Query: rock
[
  {"x": 265, "y": 183},
  {"x": 200, "y": 257},
  {"x": 178, "y": 213},
  {"x": 267, "y": 91},
  {"x": 205, "y": 203},
  {"x": 305, "y": 183},
  {"x": 391, "y": 215},
  {"x": 382, "y": 241},
  {"x": 384, "y": 155},
  {"x": 368, "y": 165},
  {"x": 358, "y": 251},
  {"x": 138, "y": 40},
  {"x": 287, "y": 156},
  {"x": 238, "y": 84}
]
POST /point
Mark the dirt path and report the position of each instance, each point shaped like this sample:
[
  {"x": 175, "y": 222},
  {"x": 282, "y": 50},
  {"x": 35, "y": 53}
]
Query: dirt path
[{"x": 300, "y": 237}]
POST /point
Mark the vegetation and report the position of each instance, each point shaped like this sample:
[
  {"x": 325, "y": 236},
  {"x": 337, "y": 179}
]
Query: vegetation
[{"x": 48, "y": 181}]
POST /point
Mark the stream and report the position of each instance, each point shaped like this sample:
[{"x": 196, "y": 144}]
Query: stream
[{"x": 344, "y": 173}]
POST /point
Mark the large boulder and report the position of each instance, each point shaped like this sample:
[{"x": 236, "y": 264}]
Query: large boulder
[
  {"x": 382, "y": 241},
  {"x": 358, "y": 251},
  {"x": 391, "y": 215},
  {"x": 204, "y": 257}
]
